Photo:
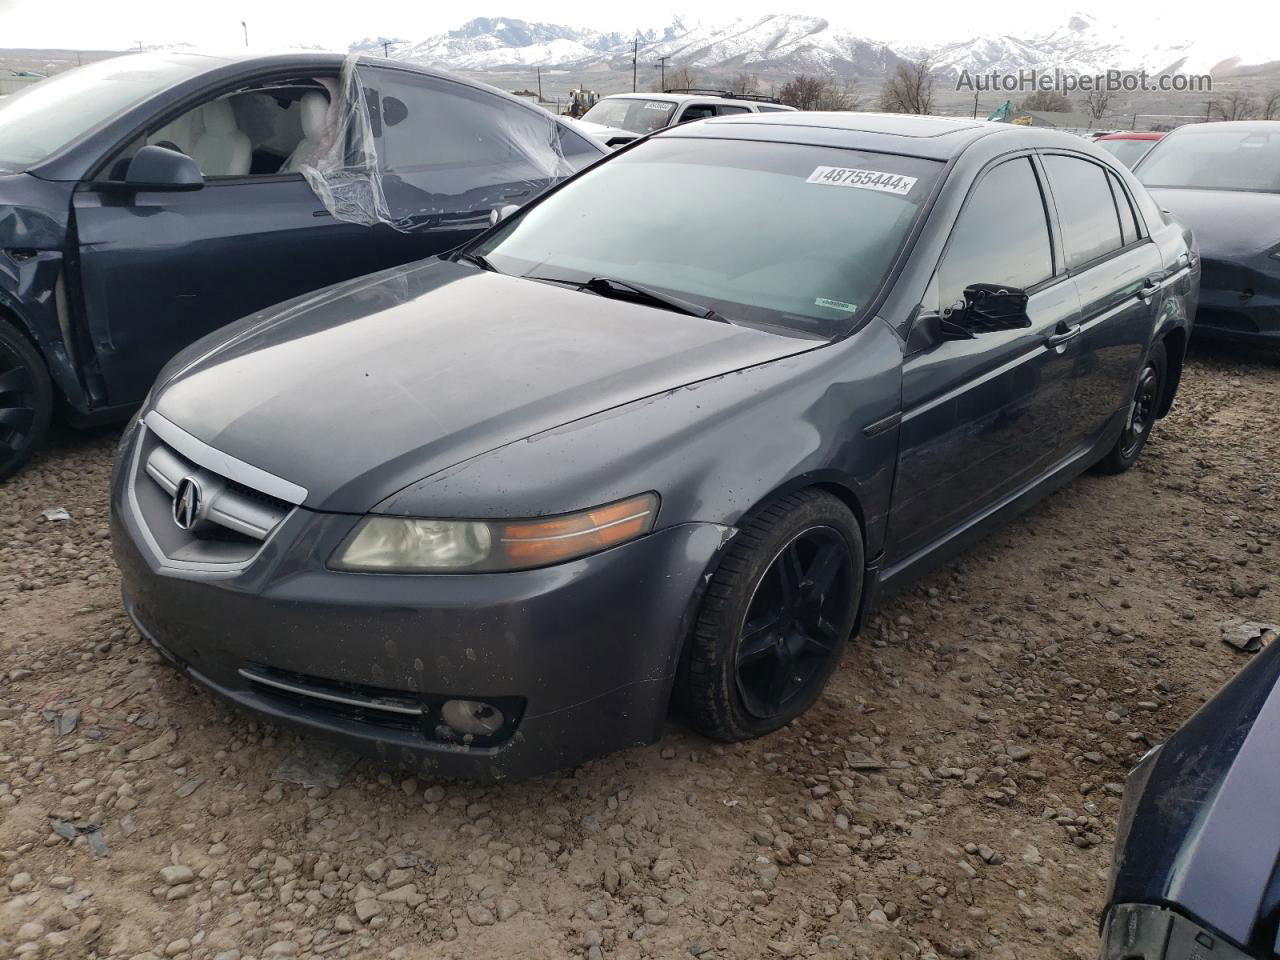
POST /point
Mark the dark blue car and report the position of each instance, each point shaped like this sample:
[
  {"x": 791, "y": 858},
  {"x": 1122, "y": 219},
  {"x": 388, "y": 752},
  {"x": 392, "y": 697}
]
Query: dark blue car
[
  {"x": 146, "y": 200},
  {"x": 1197, "y": 871}
]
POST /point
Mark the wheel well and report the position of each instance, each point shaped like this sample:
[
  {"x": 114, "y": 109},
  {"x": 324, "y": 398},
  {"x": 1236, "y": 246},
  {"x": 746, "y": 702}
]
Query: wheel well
[
  {"x": 832, "y": 486},
  {"x": 847, "y": 497},
  {"x": 13, "y": 319},
  {"x": 1175, "y": 347}
]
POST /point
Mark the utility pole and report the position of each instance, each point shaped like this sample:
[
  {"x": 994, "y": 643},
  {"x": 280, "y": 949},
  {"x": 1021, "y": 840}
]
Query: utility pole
[
  {"x": 635, "y": 55},
  {"x": 539, "y": 84},
  {"x": 139, "y": 43},
  {"x": 386, "y": 49},
  {"x": 975, "y": 106},
  {"x": 245, "y": 27},
  {"x": 662, "y": 66}
]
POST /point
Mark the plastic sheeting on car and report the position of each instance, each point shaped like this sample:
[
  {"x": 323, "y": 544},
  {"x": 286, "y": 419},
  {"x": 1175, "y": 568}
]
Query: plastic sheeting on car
[{"x": 348, "y": 176}]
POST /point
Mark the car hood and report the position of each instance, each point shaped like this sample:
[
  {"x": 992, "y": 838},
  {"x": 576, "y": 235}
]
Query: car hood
[
  {"x": 1228, "y": 224},
  {"x": 376, "y": 383},
  {"x": 1200, "y": 828}
]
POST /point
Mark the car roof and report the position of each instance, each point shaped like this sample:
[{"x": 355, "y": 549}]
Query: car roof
[
  {"x": 1134, "y": 135},
  {"x": 1229, "y": 126},
  {"x": 678, "y": 97},
  {"x": 934, "y": 138}
]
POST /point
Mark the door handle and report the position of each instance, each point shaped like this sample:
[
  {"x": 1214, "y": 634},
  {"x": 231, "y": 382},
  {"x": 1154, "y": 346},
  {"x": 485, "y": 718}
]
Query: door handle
[
  {"x": 1063, "y": 336},
  {"x": 1149, "y": 287}
]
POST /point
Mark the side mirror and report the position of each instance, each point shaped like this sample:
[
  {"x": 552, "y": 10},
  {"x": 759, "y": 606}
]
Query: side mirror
[
  {"x": 986, "y": 308},
  {"x": 158, "y": 168},
  {"x": 498, "y": 214}
]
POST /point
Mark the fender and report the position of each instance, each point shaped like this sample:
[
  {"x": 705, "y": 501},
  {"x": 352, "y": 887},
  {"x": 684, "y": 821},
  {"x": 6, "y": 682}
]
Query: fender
[
  {"x": 34, "y": 236},
  {"x": 32, "y": 298}
]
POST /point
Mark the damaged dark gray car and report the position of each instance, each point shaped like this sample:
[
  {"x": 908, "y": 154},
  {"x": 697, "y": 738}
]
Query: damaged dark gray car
[
  {"x": 489, "y": 515},
  {"x": 146, "y": 200}
]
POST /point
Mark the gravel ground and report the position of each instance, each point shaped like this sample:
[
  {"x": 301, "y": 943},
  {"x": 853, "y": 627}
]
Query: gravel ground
[{"x": 952, "y": 795}]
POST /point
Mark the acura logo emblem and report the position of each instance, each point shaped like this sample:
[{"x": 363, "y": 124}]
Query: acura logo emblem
[{"x": 186, "y": 503}]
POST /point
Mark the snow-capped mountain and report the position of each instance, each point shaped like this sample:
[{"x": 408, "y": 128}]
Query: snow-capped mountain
[
  {"x": 797, "y": 43},
  {"x": 1086, "y": 45},
  {"x": 488, "y": 42}
]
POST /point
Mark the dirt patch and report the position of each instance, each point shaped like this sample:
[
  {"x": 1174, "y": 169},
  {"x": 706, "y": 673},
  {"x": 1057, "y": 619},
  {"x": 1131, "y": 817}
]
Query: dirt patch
[{"x": 953, "y": 794}]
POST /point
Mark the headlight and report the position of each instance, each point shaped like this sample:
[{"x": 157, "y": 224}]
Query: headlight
[{"x": 402, "y": 545}]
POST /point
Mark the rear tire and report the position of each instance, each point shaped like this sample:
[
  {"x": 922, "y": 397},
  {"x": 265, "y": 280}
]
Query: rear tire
[
  {"x": 26, "y": 400},
  {"x": 775, "y": 618},
  {"x": 1141, "y": 416}
]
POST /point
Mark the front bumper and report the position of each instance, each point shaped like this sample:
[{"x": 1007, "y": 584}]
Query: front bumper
[
  {"x": 1240, "y": 301},
  {"x": 588, "y": 650},
  {"x": 1139, "y": 931}
]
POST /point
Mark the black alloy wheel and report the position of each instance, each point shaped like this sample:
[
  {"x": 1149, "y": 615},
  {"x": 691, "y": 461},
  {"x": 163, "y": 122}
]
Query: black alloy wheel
[
  {"x": 1142, "y": 412},
  {"x": 1141, "y": 415},
  {"x": 790, "y": 635},
  {"x": 775, "y": 617},
  {"x": 25, "y": 400}
]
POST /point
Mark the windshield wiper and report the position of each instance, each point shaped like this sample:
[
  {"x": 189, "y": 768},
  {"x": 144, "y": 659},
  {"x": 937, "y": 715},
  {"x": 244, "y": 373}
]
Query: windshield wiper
[
  {"x": 626, "y": 290},
  {"x": 476, "y": 259}
]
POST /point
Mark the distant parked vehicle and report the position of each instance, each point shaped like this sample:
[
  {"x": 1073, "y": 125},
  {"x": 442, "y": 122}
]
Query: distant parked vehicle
[
  {"x": 1198, "y": 839},
  {"x": 623, "y": 117},
  {"x": 1128, "y": 147},
  {"x": 146, "y": 200},
  {"x": 1223, "y": 179}
]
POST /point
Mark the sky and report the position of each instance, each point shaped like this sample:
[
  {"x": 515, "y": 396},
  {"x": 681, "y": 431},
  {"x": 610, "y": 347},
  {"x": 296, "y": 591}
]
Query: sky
[{"x": 92, "y": 24}]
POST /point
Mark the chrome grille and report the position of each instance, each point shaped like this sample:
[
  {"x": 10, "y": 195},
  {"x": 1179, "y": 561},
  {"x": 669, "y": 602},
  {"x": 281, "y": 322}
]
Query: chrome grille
[
  {"x": 221, "y": 504},
  {"x": 235, "y": 511}
]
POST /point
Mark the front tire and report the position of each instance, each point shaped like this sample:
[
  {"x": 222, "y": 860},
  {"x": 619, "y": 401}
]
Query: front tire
[
  {"x": 775, "y": 618},
  {"x": 1142, "y": 414},
  {"x": 26, "y": 400}
]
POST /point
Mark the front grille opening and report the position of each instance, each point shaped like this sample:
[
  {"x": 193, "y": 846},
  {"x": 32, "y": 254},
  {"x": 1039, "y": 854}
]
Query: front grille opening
[
  {"x": 233, "y": 520},
  {"x": 217, "y": 533},
  {"x": 379, "y": 707},
  {"x": 257, "y": 496}
]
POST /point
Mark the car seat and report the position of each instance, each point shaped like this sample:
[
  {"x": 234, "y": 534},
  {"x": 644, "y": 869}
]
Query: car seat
[
  {"x": 223, "y": 149},
  {"x": 314, "y": 107}
]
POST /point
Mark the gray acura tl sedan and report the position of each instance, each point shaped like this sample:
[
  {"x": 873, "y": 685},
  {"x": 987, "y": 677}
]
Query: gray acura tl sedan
[{"x": 661, "y": 436}]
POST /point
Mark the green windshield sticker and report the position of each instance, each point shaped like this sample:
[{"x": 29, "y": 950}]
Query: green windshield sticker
[{"x": 836, "y": 305}]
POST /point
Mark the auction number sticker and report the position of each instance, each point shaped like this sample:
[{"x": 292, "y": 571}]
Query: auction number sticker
[{"x": 863, "y": 179}]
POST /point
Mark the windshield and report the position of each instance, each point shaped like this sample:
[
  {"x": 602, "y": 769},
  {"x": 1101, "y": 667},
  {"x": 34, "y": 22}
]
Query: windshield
[
  {"x": 46, "y": 116},
  {"x": 1127, "y": 152},
  {"x": 1221, "y": 159},
  {"x": 768, "y": 234},
  {"x": 636, "y": 116}
]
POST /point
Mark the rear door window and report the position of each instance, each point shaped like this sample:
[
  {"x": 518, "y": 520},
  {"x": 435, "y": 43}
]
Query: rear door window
[
  {"x": 1086, "y": 208},
  {"x": 697, "y": 111},
  {"x": 1128, "y": 221}
]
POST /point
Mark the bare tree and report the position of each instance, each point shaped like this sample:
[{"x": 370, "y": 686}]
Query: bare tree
[
  {"x": 1235, "y": 106},
  {"x": 1098, "y": 102},
  {"x": 744, "y": 83},
  {"x": 1046, "y": 101},
  {"x": 909, "y": 88},
  {"x": 806, "y": 92},
  {"x": 681, "y": 77},
  {"x": 842, "y": 96},
  {"x": 1271, "y": 106}
]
